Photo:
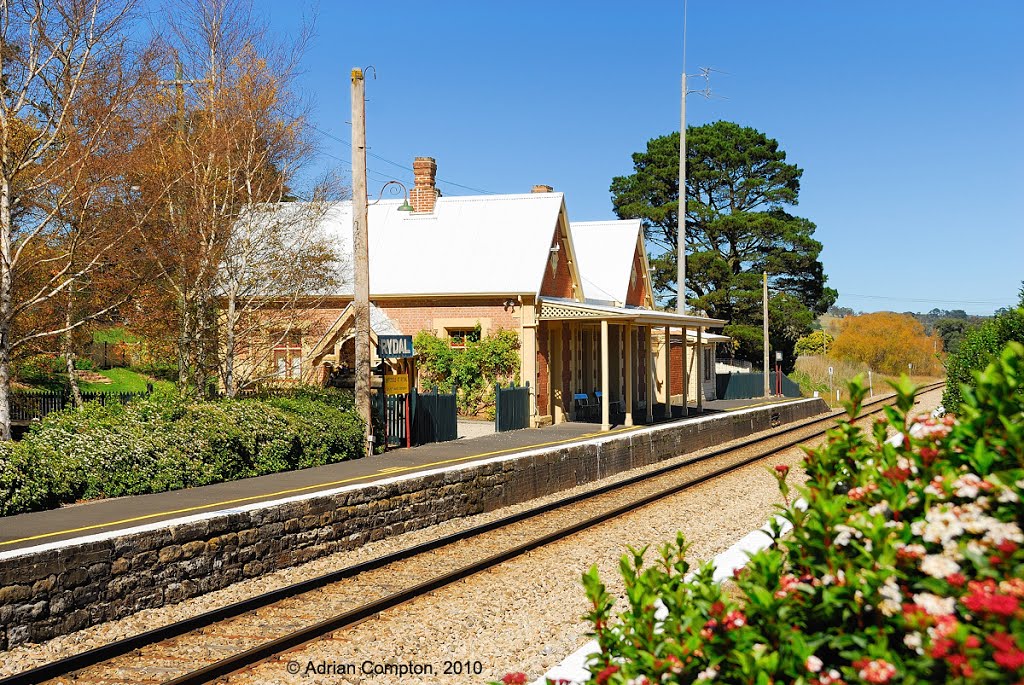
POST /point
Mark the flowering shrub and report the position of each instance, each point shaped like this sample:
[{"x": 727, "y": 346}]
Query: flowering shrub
[
  {"x": 905, "y": 566},
  {"x": 165, "y": 442}
]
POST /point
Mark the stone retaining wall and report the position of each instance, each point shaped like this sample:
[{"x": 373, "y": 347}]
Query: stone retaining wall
[{"x": 54, "y": 591}]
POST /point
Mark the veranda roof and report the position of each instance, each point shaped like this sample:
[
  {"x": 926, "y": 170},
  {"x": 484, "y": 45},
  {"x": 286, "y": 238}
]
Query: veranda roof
[{"x": 559, "y": 309}]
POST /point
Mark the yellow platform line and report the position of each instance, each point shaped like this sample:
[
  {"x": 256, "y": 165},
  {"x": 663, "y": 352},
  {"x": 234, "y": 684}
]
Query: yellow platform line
[{"x": 389, "y": 471}]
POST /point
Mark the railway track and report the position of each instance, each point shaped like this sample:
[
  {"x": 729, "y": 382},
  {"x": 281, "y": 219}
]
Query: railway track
[{"x": 211, "y": 645}]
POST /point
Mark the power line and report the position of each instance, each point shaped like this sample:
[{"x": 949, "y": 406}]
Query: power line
[{"x": 343, "y": 141}]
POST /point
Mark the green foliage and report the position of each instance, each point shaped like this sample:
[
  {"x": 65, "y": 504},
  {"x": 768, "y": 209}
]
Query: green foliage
[
  {"x": 166, "y": 442},
  {"x": 112, "y": 336},
  {"x": 124, "y": 380},
  {"x": 473, "y": 371},
  {"x": 738, "y": 180},
  {"x": 815, "y": 343},
  {"x": 978, "y": 348},
  {"x": 904, "y": 564}
]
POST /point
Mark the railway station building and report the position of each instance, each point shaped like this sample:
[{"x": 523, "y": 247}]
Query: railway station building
[{"x": 578, "y": 295}]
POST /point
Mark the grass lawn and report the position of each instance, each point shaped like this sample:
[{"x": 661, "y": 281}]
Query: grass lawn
[{"x": 123, "y": 381}]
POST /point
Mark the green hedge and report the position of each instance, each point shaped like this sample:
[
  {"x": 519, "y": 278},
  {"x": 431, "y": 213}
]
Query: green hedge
[
  {"x": 165, "y": 443},
  {"x": 906, "y": 564}
]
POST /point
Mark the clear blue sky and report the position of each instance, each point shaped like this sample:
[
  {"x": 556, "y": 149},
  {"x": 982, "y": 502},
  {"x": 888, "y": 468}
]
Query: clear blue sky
[{"x": 905, "y": 116}]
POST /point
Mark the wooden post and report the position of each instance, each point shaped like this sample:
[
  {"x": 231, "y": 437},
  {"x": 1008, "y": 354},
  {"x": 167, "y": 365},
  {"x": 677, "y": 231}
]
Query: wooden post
[
  {"x": 767, "y": 389},
  {"x": 605, "y": 420},
  {"x": 700, "y": 371},
  {"x": 668, "y": 372},
  {"x": 628, "y": 363},
  {"x": 361, "y": 256},
  {"x": 649, "y": 367}
]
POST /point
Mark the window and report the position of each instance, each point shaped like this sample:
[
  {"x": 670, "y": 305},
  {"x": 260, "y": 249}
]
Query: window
[
  {"x": 287, "y": 358},
  {"x": 458, "y": 337},
  {"x": 709, "y": 365}
]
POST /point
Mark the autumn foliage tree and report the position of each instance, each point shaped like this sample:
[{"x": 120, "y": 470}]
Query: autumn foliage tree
[
  {"x": 226, "y": 136},
  {"x": 67, "y": 80},
  {"x": 889, "y": 343}
]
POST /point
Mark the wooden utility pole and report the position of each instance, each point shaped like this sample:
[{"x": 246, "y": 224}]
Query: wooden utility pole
[
  {"x": 361, "y": 255},
  {"x": 767, "y": 386},
  {"x": 681, "y": 233}
]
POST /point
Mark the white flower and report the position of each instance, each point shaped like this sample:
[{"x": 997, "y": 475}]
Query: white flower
[
  {"x": 844, "y": 535},
  {"x": 890, "y": 592},
  {"x": 967, "y": 485},
  {"x": 935, "y": 605},
  {"x": 813, "y": 664},
  {"x": 1007, "y": 496},
  {"x": 913, "y": 641},
  {"x": 939, "y": 566},
  {"x": 708, "y": 673},
  {"x": 998, "y": 532}
]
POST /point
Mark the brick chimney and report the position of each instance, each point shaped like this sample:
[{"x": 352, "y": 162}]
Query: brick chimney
[
  {"x": 542, "y": 189},
  {"x": 424, "y": 193}
]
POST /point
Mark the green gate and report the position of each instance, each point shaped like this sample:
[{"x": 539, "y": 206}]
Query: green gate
[
  {"x": 742, "y": 386},
  {"x": 511, "y": 407},
  {"x": 434, "y": 417}
]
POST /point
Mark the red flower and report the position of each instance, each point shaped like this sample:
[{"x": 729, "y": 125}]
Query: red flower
[
  {"x": 1002, "y": 642},
  {"x": 928, "y": 455},
  {"x": 604, "y": 675},
  {"x": 942, "y": 647},
  {"x": 782, "y": 468},
  {"x": 956, "y": 579},
  {"x": 875, "y": 671},
  {"x": 734, "y": 619},
  {"x": 514, "y": 679},
  {"x": 896, "y": 474},
  {"x": 995, "y": 560},
  {"x": 972, "y": 642},
  {"x": 1007, "y": 547},
  {"x": 717, "y": 608},
  {"x": 1011, "y": 660}
]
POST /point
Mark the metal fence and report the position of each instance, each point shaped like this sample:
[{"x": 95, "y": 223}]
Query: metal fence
[
  {"x": 741, "y": 386},
  {"x": 432, "y": 417},
  {"x": 511, "y": 407},
  {"x": 26, "y": 406}
]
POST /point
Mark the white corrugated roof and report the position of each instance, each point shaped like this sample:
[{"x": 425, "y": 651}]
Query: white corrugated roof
[
  {"x": 604, "y": 254},
  {"x": 469, "y": 244}
]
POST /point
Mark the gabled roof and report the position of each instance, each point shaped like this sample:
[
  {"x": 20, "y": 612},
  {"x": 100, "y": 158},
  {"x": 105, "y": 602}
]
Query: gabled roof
[
  {"x": 494, "y": 244},
  {"x": 380, "y": 324},
  {"x": 605, "y": 251}
]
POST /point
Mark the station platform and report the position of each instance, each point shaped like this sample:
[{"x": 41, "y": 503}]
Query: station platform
[{"x": 102, "y": 516}]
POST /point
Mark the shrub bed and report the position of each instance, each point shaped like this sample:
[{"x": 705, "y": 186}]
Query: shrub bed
[
  {"x": 165, "y": 442},
  {"x": 906, "y": 566}
]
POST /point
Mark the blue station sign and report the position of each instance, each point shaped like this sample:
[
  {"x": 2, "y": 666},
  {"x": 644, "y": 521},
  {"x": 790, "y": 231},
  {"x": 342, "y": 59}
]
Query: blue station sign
[{"x": 394, "y": 346}]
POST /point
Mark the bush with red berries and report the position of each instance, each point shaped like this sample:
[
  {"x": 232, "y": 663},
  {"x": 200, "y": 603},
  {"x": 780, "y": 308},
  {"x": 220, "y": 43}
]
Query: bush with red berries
[{"x": 906, "y": 564}]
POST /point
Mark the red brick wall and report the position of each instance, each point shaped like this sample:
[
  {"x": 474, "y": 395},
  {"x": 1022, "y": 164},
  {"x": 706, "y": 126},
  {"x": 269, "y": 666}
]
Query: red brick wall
[
  {"x": 637, "y": 291},
  {"x": 677, "y": 367},
  {"x": 417, "y": 314},
  {"x": 641, "y": 366},
  {"x": 559, "y": 283}
]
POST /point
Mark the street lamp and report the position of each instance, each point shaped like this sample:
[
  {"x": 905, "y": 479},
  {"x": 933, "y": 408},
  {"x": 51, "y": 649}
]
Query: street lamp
[{"x": 405, "y": 206}]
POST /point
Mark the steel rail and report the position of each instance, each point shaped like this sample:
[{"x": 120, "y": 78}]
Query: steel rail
[{"x": 98, "y": 655}]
